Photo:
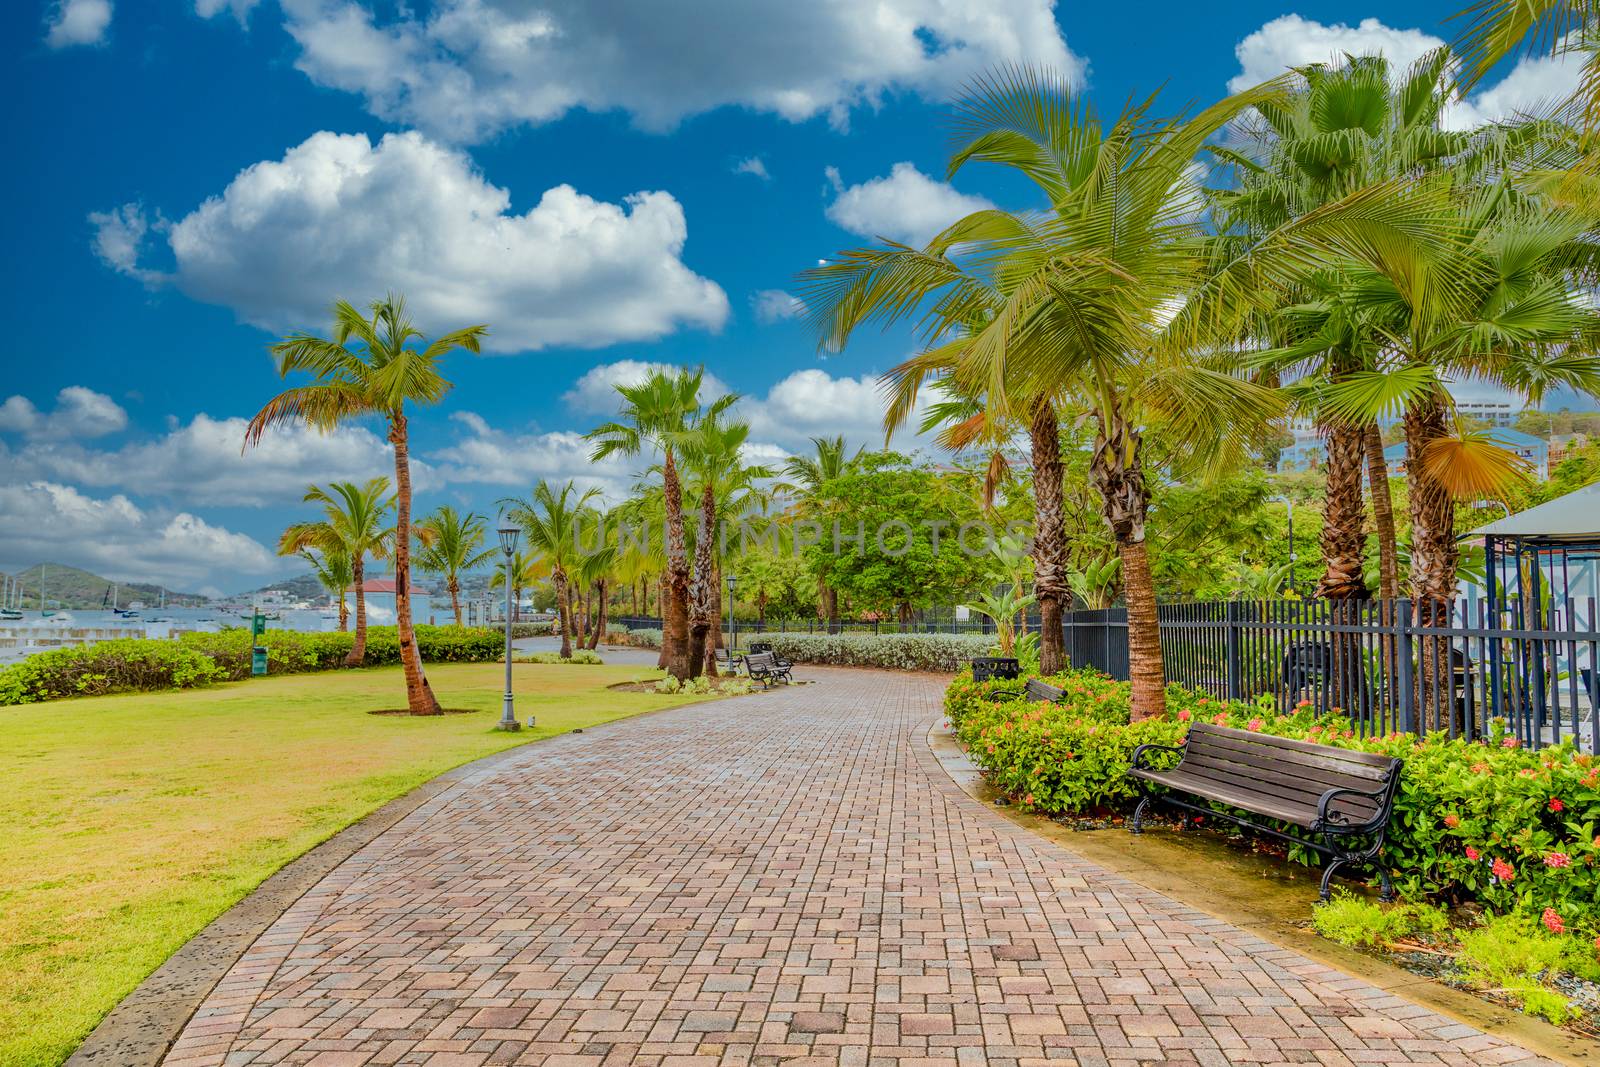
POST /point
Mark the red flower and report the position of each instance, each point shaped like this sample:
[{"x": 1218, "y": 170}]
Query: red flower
[
  {"x": 1183, "y": 716},
  {"x": 1254, "y": 724},
  {"x": 1555, "y": 804},
  {"x": 1480, "y": 768},
  {"x": 1473, "y": 854},
  {"x": 1552, "y": 921},
  {"x": 1510, "y": 742},
  {"x": 1219, "y": 718},
  {"x": 1451, "y": 821},
  {"x": 1502, "y": 870},
  {"x": 1557, "y": 859}
]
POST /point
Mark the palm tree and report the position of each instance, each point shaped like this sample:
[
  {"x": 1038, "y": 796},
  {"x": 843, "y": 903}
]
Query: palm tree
[
  {"x": 353, "y": 526},
  {"x": 1074, "y": 303},
  {"x": 655, "y": 410},
  {"x": 553, "y": 521},
  {"x": 711, "y": 451},
  {"x": 527, "y": 569},
  {"x": 804, "y": 477},
  {"x": 452, "y": 543},
  {"x": 335, "y": 572},
  {"x": 371, "y": 367}
]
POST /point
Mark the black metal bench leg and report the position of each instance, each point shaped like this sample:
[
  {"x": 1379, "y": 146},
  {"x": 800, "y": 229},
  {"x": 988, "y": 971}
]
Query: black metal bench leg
[
  {"x": 1386, "y": 894},
  {"x": 1138, "y": 814},
  {"x": 1327, "y": 876}
]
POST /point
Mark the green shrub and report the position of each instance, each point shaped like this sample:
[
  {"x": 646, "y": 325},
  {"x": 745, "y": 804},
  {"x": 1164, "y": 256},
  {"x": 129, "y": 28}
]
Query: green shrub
[
  {"x": 1353, "y": 920},
  {"x": 1484, "y": 821},
  {"x": 897, "y": 652},
  {"x": 579, "y": 655},
  {"x": 118, "y": 666}
]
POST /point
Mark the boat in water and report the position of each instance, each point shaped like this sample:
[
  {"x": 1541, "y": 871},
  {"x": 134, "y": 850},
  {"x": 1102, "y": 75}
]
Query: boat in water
[{"x": 8, "y": 615}]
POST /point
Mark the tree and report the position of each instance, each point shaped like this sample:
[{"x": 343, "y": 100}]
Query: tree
[
  {"x": 804, "y": 477},
  {"x": 553, "y": 521},
  {"x": 1077, "y": 302},
  {"x": 353, "y": 526},
  {"x": 526, "y": 570},
  {"x": 371, "y": 367},
  {"x": 655, "y": 410},
  {"x": 335, "y": 571},
  {"x": 452, "y": 543}
]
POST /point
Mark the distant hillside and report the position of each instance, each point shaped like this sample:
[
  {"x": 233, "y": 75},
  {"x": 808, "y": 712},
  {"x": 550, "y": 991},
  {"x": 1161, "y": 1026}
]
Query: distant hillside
[
  {"x": 306, "y": 586},
  {"x": 69, "y": 587},
  {"x": 300, "y": 587}
]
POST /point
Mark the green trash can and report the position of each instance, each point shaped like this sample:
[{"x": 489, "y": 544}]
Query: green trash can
[{"x": 258, "y": 660}]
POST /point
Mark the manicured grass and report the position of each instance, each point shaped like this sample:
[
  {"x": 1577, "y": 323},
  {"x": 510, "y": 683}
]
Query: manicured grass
[{"x": 129, "y": 822}]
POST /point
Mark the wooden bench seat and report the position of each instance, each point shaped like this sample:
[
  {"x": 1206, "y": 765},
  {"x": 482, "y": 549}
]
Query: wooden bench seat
[
  {"x": 1033, "y": 690},
  {"x": 1341, "y": 796}
]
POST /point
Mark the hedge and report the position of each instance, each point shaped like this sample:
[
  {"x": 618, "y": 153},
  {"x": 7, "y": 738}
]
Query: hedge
[
  {"x": 899, "y": 652},
  {"x": 195, "y": 659},
  {"x": 1485, "y": 821}
]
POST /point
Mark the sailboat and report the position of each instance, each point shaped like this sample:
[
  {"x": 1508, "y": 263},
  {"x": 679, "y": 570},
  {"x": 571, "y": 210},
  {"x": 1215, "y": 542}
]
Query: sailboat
[
  {"x": 44, "y": 611},
  {"x": 10, "y": 591}
]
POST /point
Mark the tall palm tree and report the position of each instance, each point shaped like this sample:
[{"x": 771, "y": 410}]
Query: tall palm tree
[
  {"x": 804, "y": 477},
  {"x": 711, "y": 452},
  {"x": 335, "y": 572},
  {"x": 527, "y": 570},
  {"x": 553, "y": 520},
  {"x": 370, "y": 366},
  {"x": 451, "y": 543},
  {"x": 1074, "y": 302},
  {"x": 653, "y": 411},
  {"x": 355, "y": 525}
]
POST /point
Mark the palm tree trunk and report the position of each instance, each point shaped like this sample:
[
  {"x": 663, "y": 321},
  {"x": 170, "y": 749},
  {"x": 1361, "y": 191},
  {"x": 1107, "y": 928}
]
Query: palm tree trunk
[
  {"x": 419, "y": 694},
  {"x": 344, "y": 610},
  {"x": 700, "y": 585},
  {"x": 714, "y": 632},
  {"x": 661, "y": 611},
  {"x": 1049, "y": 537},
  {"x": 1382, "y": 514},
  {"x": 358, "y": 651},
  {"x": 1433, "y": 562},
  {"x": 563, "y": 611},
  {"x": 1117, "y": 471},
  {"x": 761, "y": 610},
  {"x": 1343, "y": 543},
  {"x": 516, "y": 603},
  {"x": 599, "y": 615},
  {"x": 454, "y": 585},
  {"x": 675, "y": 617}
]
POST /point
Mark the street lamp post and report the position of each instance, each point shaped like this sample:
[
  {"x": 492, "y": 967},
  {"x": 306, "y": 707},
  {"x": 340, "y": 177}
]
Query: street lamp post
[
  {"x": 509, "y": 532},
  {"x": 733, "y": 624},
  {"x": 1289, "y": 505}
]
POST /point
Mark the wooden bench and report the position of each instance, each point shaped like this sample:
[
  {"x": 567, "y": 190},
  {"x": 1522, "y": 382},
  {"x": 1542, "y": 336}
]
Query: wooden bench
[
  {"x": 766, "y": 668},
  {"x": 1343, "y": 797},
  {"x": 1034, "y": 690}
]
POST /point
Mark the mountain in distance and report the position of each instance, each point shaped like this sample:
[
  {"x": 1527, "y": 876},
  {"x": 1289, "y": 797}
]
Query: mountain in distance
[{"x": 70, "y": 587}]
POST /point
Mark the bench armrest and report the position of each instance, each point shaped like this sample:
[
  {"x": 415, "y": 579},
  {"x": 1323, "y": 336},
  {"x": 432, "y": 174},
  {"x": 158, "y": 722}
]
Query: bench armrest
[
  {"x": 1138, "y": 763},
  {"x": 1333, "y": 820},
  {"x": 1007, "y": 694}
]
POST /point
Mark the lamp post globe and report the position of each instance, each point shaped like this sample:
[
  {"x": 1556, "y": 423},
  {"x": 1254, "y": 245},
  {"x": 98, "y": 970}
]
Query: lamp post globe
[{"x": 509, "y": 533}]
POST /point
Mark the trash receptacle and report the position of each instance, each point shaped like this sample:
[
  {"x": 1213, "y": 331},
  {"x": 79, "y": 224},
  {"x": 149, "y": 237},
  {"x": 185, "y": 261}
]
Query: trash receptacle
[{"x": 258, "y": 660}]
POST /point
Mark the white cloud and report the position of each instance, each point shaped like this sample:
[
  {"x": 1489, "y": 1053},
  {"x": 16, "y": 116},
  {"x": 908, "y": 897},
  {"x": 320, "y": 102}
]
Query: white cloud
[
  {"x": 339, "y": 217},
  {"x": 753, "y": 165},
  {"x": 202, "y": 463},
  {"x": 469, "y": 68},
  {"x": 79, "y": 413},
  {"x": 516, "y": 460},
  {"x": 905, "y": 206},
  {"x": 113, "y": 536},
  {"x": 812, "y": 403},
  {"x": 596, "y": 394},
  {"x": 119, "y": 238},
  {"x": 76, "y": 22},
  {"x": 773, "y": 305},
  {"x": 240, "y": 9},
  {"x": 1292, "y": 41}
]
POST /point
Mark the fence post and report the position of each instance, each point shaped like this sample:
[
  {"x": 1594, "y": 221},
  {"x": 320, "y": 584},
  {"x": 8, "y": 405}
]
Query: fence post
[
  {"x": 1235, "y": 663},
  {"x": 1405, "y": 683}
]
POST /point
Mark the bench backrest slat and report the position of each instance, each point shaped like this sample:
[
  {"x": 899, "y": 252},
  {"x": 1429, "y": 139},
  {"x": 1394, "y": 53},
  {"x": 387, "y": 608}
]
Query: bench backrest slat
[
  {"x": 1252, "y": 754},
  {"x": 1037, "y": 690},
  {"x": 760, "y": 661}
]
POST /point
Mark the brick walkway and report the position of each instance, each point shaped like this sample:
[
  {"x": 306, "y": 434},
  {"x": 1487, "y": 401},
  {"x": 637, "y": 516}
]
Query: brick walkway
[{"x": 789, "y": 878}]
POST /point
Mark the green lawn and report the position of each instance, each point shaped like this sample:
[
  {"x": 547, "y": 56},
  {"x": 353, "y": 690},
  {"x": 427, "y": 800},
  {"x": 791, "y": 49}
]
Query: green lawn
[{"x": 129, "y": 822}]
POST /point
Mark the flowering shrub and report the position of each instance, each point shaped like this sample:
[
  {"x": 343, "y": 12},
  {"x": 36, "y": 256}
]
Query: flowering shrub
[
  {"x": 579, "y": 655},
  {"x": 151, "y": 665},
  {"x": 1513, "y": 828},
  {"x": 895, "y": 652}
]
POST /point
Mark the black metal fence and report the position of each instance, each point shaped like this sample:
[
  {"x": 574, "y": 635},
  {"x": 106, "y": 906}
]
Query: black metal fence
[
  {"x": 1381, "y": 663},
  {"x": 976, "y": 625}
]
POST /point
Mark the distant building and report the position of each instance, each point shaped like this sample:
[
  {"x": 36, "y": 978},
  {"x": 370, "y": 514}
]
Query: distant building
[
  {"x": 1562, "y": 443},
  {"x": 1531, "y": 450},
  {"x": 379, "y": 594},
  {"x": 1494, "y": 412}
]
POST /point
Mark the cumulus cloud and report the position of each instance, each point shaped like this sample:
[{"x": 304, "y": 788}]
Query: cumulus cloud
[
  {"x": 905, "y": 206},
  {"x": 468, "y": 68},
  {"x": 338, "y": 216},
  {"x": 1292, "y": 41},
  {"x": 113, "y": 536},
  {"x": 79, "y": 413},
  {"x": 76, "y": 22},
  {"x": 200, "y": 463},
  {"x": 239, "y": 9},
  {"x": 596, "y": 392},
  {"x": 813, "y": 403},
  {"x": 516, "y": 460},
  {"x": 773, "y": 305},
  {"x": 753, "y": 165}
]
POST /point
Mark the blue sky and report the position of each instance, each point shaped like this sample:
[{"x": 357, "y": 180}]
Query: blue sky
[{"x": 607, "y": 184}]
